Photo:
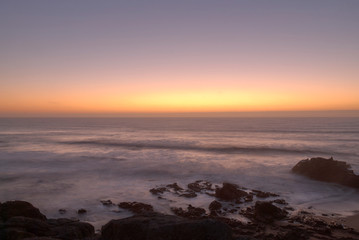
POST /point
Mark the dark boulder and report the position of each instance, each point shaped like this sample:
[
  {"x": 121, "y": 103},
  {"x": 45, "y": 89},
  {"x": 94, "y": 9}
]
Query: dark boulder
[
  {"x": 215, "y": 206},
  {"x": 19, "y": 208},
  {"x": 67, "y": 229},
  {"x": 21, "y": 220},
  {"x": 81, "y": 211},
  {"x": 327, "y": 170},
  {"x": 30, "y": 225},
  {"x": 165, "y": 227},
  {"x": 267, "y": 212},
  {"x": 230, "y": 192},
  {"x": 136, "y": 207}
]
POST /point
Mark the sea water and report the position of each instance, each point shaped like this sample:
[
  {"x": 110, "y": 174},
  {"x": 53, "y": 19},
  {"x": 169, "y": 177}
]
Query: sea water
[{"x": 73, "y": 163}]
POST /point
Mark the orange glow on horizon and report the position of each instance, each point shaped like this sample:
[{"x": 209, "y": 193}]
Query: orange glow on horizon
[
  {"x": 186, "y": 92},
  {"x": 221, "y": 100}
]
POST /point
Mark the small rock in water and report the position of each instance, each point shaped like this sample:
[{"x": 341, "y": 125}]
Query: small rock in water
[
  {"x": 230, "y": 192},
  {"x": 188, "y": 194},
  {"x": 62, "y": 211},
  {"x": 82, "y": 211},
  {"x": 136, "y": 207},
  {"x": 107, "y": 202},
  {"x": 175, "y": 187},
  {"x": 262, "y": 194},
  {"x": 280, "y": 201},
  {"x": 159, "y": 190}
]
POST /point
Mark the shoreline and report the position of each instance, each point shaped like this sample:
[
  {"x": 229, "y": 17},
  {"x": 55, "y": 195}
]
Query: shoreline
[{"x": 269, "y": 217}]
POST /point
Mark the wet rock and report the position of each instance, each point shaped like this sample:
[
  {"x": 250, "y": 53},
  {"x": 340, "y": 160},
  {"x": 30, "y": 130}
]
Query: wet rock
[
  {"x": 188, "y": 194},
  {"x": 157, "y": 191},
  {"x": 165, "y": 227},
  {"x": 289, "y": 208},
  {"x": 68, "y": 230},
  {"x": 19, "y": 208},
  {"x": 327, "y": 170},
  {"x": 233, "y": 210},
  {"x": 280, "y": 201},
  {"x": 267, "y": 212},
  {"x": 136, "y": 207},
  {"x": 200, "y": 185},
  {"x": 175, "y": 187},
  {"x": 215, "y": 206},
  {"x": 192, "y": 212},
  {"x": 107, "y": 202},
  {"x": 261, "y": 194},
  {"x": 230, "y": 192},
  {"x": 305, "y": 212},
  {"x": 82, "y": 211},
  {"x": 248, "y": 198}
]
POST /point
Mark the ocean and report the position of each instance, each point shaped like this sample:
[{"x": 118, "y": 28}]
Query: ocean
[{"x": 73, "y": 163}]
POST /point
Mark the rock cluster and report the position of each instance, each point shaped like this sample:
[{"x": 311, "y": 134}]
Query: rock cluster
[
  {"x": 192, "y": 190},
  {"x": 267, "y": 219}
]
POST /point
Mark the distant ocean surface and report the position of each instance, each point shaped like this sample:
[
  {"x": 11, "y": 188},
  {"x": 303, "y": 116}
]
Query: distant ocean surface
[{"x": 74, "y": 163}]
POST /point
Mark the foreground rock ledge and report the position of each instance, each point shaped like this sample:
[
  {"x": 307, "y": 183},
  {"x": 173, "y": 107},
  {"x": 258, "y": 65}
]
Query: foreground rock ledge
[
  {"x": 155, "y": 226},
  {"x": 327, "y": 170},
  {"x": 21, "y": 220}
]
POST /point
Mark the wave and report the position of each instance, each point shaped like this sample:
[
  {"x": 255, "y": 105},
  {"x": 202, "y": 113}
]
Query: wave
[{"x": 206, "y": 148}]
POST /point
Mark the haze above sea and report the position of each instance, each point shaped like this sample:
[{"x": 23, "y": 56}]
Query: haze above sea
[{"x": 73, "y": 163}]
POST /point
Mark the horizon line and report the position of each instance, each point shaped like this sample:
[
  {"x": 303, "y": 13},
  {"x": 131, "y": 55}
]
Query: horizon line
[{"x": 300, "y": 113}]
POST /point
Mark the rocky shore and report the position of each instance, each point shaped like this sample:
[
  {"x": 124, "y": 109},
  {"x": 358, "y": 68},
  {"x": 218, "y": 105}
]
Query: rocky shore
[{"x": 235, "y": 213}]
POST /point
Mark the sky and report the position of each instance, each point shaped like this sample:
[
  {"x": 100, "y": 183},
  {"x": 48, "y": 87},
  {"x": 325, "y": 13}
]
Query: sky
[{"x": 104, "y": 57}]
